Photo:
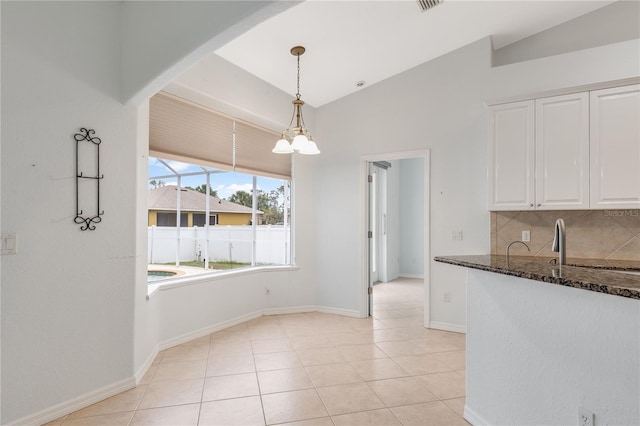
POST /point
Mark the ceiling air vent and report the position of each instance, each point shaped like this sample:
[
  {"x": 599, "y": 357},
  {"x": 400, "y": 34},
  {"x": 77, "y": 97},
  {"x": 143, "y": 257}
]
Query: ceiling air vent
[{"x": 428, "y": 4}]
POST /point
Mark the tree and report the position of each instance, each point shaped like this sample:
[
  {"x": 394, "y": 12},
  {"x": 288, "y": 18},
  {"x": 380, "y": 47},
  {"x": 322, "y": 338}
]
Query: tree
[
  {"x": 156, "y": 183},
  {"x": 203, "y": 190},
  {"x": 242, "y": 197},
  {"x": 271, "y": 203}
]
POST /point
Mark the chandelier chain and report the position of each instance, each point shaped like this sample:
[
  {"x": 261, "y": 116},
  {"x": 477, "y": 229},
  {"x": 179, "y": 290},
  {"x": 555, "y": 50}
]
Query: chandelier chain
[
  {"x": 298, "y": 94},
  {"x": 296, "y": 138}
]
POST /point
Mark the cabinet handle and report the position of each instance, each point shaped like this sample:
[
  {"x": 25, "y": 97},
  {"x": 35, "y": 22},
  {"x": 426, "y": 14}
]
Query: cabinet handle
[
  {"x": 539, "y": 204},
  {"x": 530, "y": 204}
]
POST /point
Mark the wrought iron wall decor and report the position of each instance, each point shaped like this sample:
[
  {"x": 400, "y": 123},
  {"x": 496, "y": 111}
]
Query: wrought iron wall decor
[{"x": 88, "y": 222}]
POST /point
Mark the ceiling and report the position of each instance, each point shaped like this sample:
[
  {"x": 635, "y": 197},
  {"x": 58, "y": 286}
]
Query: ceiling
[{"x": 351, "y": 41}]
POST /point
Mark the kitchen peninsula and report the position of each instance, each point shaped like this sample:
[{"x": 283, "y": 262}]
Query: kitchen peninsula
[{"x": 546, "y": 343}]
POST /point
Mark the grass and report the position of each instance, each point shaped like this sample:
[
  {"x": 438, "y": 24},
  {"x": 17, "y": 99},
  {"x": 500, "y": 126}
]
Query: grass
[{"x": 214, "y": 264}]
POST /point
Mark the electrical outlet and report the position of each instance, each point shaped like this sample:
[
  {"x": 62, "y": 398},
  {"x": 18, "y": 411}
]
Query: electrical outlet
[
  {"x": 447, "y": 297},
  {"x": 585, "y": 417},
  {"x": 526, "y": 236},
  {"x": 456, "y": 235}
]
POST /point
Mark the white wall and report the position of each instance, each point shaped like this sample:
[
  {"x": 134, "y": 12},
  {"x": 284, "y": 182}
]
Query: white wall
[
  {"x": 411, "y": 218},
  {"x": 75, "y": 318},
  {"x": 67, "y": 306},
  {"x": 221, "y": 85},
  {"x": 187, "y": 310},
  {"x": 538, "y": 351},
  {"x": 0, "y": 228},
  {"x": 437, "y": 105},
  {"x": 619, "y": 21},
  {"x": 394, "y": 208},
  {"x": 163, "y": 38}
]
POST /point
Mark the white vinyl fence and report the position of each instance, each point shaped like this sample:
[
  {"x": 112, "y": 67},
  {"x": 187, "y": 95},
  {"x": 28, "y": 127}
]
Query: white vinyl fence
[{"x": 226, "y": 243}]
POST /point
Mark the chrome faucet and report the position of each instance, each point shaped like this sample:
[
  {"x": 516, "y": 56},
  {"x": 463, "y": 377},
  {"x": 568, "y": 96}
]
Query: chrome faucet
[
  {"x": 559, "y": 242},
  {"x": 512, "y": 243}
]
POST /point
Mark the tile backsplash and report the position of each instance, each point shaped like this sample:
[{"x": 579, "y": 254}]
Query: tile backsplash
[{"x": 595, "y": 234}]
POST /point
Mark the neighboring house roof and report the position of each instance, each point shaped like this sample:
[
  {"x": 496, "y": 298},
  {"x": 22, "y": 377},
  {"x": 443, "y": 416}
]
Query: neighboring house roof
[{"x": 165, "y": 198}]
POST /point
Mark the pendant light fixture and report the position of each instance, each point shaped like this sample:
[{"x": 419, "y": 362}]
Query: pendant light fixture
[{"x": 300, "y": 137}]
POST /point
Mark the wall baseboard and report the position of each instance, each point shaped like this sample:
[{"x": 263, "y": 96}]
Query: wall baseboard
[
  {"x": 312, "y": 308},
  {"x": 418, "y": 276},
  {"x": 338, "y": 311},
  {"x": 472, "y": 417},
  {"x": 75, "y": 404},
  {"x": 445, "y": 326},
  {"x": 146, "y": 365},
  {"x": 105, "y": 392},
  {"x": 285, "y": 311},
  {"x": 187, "y": 337}
]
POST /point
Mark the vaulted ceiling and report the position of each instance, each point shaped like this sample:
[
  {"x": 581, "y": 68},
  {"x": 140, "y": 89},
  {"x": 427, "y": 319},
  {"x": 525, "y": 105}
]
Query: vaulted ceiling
[{"x": 352, "y": 41}]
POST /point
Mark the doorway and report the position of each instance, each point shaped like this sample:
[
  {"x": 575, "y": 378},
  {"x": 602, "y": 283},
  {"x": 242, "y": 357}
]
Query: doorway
[
  {"x": 378, "y": 220},
  {"x": 396, "y": 230}
]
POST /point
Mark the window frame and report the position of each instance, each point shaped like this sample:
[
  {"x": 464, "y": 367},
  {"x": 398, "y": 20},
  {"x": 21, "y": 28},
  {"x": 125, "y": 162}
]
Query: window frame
[{"x": 207, "y": 274}]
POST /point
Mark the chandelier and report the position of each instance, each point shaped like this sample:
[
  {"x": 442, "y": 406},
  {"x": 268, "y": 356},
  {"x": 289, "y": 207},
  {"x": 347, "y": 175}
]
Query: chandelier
[{"x": 300, "y": 137}]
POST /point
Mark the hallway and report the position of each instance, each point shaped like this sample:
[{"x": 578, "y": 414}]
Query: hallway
[{"x": 313, "y": 369}]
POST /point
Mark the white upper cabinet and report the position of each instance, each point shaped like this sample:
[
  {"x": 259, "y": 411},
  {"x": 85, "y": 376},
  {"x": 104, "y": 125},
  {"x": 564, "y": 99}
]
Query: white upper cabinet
[
  {"x": 615, "y": 148},
  {"x": 562, "y": 152},
  {"x": 510, "y": 156},
  {"x": 571, "y": 152},
  {"x": 538, "y": 156}
]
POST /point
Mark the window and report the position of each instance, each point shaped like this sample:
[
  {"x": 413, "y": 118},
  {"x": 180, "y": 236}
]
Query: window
[
  {"x": 169, "y": 219},
  {"x": 243, "y": 230},
  {"x": 199, "y": 219},
  {"x": 232, "y": 193}
]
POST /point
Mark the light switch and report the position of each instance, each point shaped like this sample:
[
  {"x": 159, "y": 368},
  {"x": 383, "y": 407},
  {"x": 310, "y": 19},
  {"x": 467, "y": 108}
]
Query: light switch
[{"x": 9, "y": 243}]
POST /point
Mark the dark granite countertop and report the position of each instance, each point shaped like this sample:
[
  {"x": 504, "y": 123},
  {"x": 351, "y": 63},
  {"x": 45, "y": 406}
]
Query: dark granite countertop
[{"x": 603, "y": 276}]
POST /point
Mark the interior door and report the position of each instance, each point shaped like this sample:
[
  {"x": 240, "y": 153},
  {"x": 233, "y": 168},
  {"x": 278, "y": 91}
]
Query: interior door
[
  {"x": 371, "y": 227},
  {"x": 377, "y": 225}
]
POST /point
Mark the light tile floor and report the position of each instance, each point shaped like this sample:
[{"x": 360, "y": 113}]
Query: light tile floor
[{"x": 306, "y": 369}]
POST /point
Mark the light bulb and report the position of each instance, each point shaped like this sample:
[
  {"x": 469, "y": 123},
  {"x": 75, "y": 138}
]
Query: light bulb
[
  {"x": 299, "y": 142},
  {"x": 310, "y": 148},
  {"x": 282, "y": 147}
]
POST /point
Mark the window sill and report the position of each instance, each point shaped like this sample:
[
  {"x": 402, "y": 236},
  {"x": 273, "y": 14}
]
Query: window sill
[{"x": 169, "y": 283}]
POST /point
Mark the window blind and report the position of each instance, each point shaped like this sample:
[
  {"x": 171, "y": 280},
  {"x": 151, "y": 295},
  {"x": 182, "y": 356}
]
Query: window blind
[{"x": 185, "y": 131}]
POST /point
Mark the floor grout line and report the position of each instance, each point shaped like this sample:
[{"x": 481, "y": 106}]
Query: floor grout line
[{"x": 335, "y": 332}]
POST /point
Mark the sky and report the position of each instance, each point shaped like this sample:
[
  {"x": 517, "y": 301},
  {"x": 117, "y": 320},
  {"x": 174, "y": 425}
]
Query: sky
[{"x": 226, "y": 183}]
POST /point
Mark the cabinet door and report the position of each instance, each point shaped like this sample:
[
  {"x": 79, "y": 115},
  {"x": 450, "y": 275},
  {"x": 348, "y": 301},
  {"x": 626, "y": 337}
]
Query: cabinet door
[
  {"x": 562, "y": 152},
  {"x": 615, "y": 148},
  {"x": 510, "y": 156}
]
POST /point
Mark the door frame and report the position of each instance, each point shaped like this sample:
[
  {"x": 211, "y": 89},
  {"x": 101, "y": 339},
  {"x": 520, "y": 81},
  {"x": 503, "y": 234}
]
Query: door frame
[
  {"x": 364, "y": 225},
  {"x": 377, "y": 212}
]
